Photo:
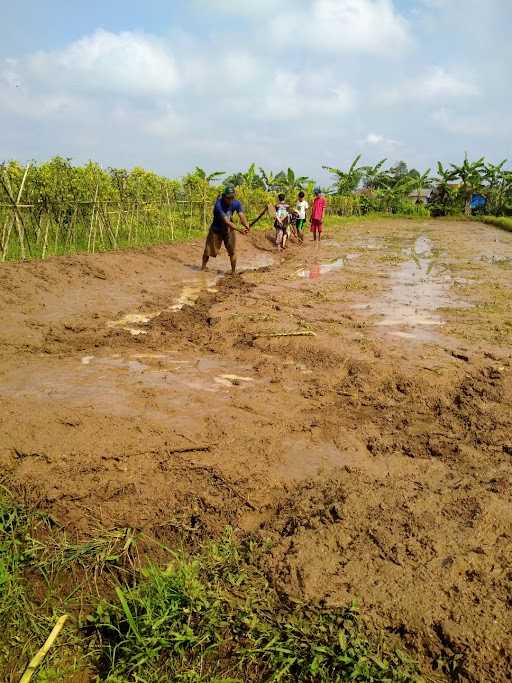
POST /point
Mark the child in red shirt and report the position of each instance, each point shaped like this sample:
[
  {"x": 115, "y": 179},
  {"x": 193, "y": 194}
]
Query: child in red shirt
[{"x": 317, "y": 214}]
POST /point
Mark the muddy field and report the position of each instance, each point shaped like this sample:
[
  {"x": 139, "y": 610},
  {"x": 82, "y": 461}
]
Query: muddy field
[{"x": 375, "y": 453}]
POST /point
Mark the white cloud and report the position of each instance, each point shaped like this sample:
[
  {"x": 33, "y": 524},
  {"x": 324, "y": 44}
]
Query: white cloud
[
  {"x": 165, "y": 125},
  {"x": 379, "y": 141},
  {"x": 436, "y": 83},
  {"x": 368, "y": 26},
  {"x": 293, "y": 95},
  {"x": 122, "y": 63},
  {"x": 440, "y": 83},
  {"x": 241, "y": 7},
  {"x": 239, "y": 67},
  {"x": 461, "y": 124}
]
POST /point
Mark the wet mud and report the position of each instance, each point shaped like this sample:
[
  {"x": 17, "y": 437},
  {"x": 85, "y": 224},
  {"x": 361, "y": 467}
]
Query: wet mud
[{"x": 373, "y": 455}]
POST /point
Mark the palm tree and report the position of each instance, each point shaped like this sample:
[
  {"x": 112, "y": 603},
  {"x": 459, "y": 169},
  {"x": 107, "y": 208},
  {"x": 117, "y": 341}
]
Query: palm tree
[
  {"x": 347, "y": 181},
  {"x": 471, "y": 176}
]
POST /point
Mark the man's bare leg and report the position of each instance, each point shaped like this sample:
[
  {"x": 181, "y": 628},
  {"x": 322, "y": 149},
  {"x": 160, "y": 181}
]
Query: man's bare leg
[
  {"x": 205, "y": 261},
  {"x": 233, "y": 264}
]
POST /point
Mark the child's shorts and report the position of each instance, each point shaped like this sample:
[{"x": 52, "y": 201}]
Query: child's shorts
[
  {"x": 300, "y": 224},
  {"x": 317, "y": 226}
]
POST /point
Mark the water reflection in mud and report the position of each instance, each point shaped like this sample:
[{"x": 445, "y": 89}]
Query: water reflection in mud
[
  {"x": 165, "y": 370},
  {"x": 419, "y": 288},
  {"x": 319, "y": 269}
]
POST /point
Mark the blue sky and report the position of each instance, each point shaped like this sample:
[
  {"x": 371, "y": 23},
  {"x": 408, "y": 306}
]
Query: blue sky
[{"x": 222, "y": 83}]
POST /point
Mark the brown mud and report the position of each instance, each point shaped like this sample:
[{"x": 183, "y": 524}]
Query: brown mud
[{"x": 376, "y": 456}]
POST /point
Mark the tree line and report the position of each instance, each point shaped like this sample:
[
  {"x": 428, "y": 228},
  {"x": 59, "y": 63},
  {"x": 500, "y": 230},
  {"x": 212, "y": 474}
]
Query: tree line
[{"x": 58, "y": 207}]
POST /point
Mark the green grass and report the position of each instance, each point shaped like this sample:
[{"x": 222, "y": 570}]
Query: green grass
[
  {"x": 213, "y": 616},
  {"x": 505, "y": 223}
]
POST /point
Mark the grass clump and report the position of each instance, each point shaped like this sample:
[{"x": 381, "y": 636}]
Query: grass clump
[
  {"x": 215, "y": 617},
  {"x": 210, "y": 617}
]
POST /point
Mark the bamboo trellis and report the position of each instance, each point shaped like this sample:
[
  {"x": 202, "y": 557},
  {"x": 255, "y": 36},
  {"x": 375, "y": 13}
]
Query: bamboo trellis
[
  {"x": 43, "y": 229},
  {"x": 50, "y": 226}
]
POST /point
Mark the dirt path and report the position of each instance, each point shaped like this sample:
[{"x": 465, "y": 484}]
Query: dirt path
[{"x": 376, "y": 456}]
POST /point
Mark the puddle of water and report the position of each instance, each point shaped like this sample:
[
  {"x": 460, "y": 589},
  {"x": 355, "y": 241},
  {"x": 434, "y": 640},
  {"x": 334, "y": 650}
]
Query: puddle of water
[
  {"x": 260, "y": 260},
  {"x": 419, "y": 288},
  {"x": 319, "y": 269},
  {"x": 302, "y": 460},
  {"x": 132, "y": 321},
  {"x": 191, "y": 293},
  {"x": 371, "y": 243},
  {"x": 163, "y": 371},
  {"x": 122, "y": 364}
]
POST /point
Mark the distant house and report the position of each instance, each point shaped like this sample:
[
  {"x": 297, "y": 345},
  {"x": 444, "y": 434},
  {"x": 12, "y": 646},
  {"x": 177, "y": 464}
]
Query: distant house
[{"x": 420, "y": 196}]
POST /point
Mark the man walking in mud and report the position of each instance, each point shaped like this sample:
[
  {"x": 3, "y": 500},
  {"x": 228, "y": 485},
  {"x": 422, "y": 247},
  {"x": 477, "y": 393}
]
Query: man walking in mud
[{"x": 223, "y": 230}]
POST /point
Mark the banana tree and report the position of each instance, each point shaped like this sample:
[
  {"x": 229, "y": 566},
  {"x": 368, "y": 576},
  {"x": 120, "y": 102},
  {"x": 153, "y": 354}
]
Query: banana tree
[
  {"x": 392, "y": 194},
  {"x": 420, "y": 182},
  {"x": 289, "y": 182},
  {"x": 375, "y": 177},
  {"x": 269, "y": 180},
  {"x": 494, "y": 177},
  {"x": 250, "y": 179},
  {"x": 201, "y": 174},
  {"x": 348, "y": 181},
  {"x": 471, "y": 175}
]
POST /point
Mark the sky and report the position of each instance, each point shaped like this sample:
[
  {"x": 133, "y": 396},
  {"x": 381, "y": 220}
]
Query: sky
[{"x": 169, "y": 85}]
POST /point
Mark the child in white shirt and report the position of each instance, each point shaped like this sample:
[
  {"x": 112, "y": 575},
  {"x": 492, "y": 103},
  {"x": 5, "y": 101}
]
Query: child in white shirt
[{"x": 301, "y": 209}]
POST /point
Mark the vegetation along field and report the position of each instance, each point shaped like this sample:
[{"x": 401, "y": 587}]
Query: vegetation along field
[{"x": 301, "y": 473}]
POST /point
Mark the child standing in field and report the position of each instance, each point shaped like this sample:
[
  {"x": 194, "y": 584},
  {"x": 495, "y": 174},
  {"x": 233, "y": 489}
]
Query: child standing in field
[
  {"x": 301, "y": 210},
  {"x": 282, "y": 222},
  {"x": 318, "y": 214}
]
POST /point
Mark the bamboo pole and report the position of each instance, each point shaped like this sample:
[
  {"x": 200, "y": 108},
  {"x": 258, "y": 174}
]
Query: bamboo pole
[
  {"x": 7, "y": 238},
  {"x": 92, "y": 239},
  {"x": 15, "y": 205},
  {"x": 45, "y": 242},
  {"x": 36, "y": 661},
  {"x": 116, "y": 233},
  {"x": 169, "y": 214}
]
